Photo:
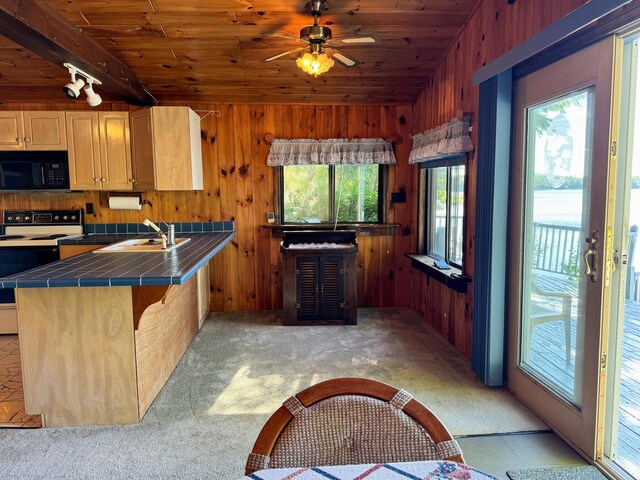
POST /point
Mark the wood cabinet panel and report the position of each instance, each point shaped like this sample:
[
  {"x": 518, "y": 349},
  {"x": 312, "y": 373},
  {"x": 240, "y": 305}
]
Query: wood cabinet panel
[
  {"x": 67, "y": 251},
  {"x": 162, "y": 335},
  {"x": 11, "y": 131},
  {"x": 168, "y": 139},
  {"x": 83, "y": 137},
  {"x": 142, "y": 150},
  {"x": 41, "y": 130},
  {"x": 79, "y": 367},
  {"x": 45, "y": 131},
  {"x": 99, "y": 150},
  {"x": 204, "y": 296},
  {"x": 115, "y": 151},
  {"x": 320, "y": 289}
]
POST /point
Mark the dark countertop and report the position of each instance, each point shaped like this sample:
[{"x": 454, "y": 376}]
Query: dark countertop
[{"x": 123, "y": 269}]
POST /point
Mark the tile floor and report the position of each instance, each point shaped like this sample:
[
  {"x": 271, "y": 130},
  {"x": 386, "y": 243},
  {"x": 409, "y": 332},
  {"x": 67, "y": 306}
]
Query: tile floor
[
  {"x": 12, "y": 414},
  {"x": 498, "y": 454}
]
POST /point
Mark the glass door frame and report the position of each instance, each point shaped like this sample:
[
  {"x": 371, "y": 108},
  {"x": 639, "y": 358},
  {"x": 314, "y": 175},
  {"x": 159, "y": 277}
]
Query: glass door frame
[
  {"x": 625, "y": 117},
  {"x": 592, "y": 66}
]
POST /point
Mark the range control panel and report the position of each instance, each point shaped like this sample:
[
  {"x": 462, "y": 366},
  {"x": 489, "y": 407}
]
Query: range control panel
[{"x": 43, "y": 217}]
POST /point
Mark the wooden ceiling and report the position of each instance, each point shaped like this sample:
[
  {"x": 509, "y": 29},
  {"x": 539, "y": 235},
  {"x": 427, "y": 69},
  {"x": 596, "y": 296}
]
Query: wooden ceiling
[{"x": 213, "y": 50}]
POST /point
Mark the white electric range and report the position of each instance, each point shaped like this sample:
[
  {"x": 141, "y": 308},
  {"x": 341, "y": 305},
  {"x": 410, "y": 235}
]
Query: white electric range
[{"x": 30, "y": 240}]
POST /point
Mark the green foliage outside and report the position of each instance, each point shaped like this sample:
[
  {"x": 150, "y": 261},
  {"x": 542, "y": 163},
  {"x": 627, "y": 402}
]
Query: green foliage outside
[
  {"x": 357, "y": 193},
  {"x": 306, "y": 193},
  {"x": 307, "y": 197}
]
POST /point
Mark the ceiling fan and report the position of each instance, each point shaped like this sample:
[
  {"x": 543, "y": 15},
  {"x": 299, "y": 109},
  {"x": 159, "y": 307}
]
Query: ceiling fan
[{"x": 317, "y": 40}]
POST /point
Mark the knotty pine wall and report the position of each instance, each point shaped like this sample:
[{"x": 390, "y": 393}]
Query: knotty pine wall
[
  {"x": 493, "y": 28},
  {"x": 239, "y": 186}
]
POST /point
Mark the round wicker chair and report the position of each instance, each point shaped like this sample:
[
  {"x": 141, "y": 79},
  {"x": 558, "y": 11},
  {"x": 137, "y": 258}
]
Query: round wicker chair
[{"x": 351, "y": 421}]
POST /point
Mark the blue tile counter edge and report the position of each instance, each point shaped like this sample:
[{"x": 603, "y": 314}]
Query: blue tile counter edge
[
  {"x": 135, "y": 228},
  {"x": 126, "y": 269}
]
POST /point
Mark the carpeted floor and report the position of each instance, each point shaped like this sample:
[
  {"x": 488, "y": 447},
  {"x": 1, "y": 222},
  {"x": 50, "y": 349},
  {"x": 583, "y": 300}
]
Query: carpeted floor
[
  {"x": 587, "y": 472},
  {"x": 237, "y": 371}
]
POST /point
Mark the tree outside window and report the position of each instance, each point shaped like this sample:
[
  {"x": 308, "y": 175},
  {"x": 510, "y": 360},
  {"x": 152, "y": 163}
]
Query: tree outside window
[{"x": 330, "y": 194}]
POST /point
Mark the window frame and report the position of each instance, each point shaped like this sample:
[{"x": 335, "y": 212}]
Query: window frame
[
  {"x": 425, "y": 209},
  {"x": 383, "y": 178}
]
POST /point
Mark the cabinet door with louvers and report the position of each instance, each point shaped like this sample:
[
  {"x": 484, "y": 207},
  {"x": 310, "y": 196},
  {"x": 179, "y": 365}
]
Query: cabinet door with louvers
[{"x": 320, "y": 288}]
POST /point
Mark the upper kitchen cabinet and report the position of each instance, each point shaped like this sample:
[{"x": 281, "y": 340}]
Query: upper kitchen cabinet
[
  {"x": 167, "y": 154},
  {"x": 32, "y": 131},
  {"x": 99, "y": 151}
]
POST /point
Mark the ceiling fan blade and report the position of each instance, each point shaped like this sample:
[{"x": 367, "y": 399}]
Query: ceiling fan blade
[
  {"x": 357, "y": 40},
  {"x": 344, "y": 59},
  {"x": 283, "y": 54},
  {"x": 288, "y": 37}
]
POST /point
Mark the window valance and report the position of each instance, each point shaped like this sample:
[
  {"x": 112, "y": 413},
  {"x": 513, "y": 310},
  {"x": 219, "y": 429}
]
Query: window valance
[
  {"x": 446, "y": 141},
  {"x": 333, "y": 151}
]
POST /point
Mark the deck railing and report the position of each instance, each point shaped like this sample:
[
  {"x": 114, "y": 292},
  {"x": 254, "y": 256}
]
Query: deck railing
[{"x": 556, "y": 248}]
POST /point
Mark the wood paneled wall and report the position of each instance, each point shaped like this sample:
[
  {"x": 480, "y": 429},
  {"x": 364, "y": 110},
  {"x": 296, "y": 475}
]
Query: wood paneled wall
[
  {"x": 239, "y": 186},
  {"x": 494, "y": 28}
]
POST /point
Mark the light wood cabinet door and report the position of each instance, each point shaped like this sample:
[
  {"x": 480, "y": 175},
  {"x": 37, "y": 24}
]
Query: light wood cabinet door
[
  {"x": 142, "y": 150},
  {"x": 67, "y": 251},
  {"x": 115, "y": 151},
  {"x": 83, "y": 136},
  {"x": 45, "y": 131},
  {"x": 11, "y": 131}
]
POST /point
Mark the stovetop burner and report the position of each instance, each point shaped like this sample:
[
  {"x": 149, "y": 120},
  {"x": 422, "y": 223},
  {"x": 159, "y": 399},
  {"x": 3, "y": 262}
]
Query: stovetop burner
[
  {"x": 11, "y": 237},
  {"x": 50, "y": 237}
]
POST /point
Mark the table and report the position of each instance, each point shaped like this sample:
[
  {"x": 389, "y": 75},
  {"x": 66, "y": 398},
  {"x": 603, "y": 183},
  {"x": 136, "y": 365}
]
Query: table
[{"x": 376, "y": 471}]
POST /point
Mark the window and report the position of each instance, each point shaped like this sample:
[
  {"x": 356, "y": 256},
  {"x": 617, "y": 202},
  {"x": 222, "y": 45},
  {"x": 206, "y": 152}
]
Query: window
[
  {"x": 332, "y": 194},
  {"x": 444, "y": 213}
]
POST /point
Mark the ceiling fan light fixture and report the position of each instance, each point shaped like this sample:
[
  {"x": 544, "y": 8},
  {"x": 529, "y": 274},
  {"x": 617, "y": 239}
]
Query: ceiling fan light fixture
[{"x": 314, "y": 64}]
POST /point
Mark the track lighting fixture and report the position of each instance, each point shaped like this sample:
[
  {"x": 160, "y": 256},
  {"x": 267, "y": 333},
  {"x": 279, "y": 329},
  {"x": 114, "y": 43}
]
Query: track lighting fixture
[{"x": 72, "y": 89}]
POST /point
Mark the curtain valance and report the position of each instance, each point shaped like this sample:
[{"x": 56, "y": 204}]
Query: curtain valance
[
  {"x": 333, "y": 151},
  {"x": 449, "y": 140}
]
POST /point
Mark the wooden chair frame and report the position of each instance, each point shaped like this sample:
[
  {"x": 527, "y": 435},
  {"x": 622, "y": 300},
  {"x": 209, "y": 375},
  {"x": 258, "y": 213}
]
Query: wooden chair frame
[{"x": 274, "y": 427}]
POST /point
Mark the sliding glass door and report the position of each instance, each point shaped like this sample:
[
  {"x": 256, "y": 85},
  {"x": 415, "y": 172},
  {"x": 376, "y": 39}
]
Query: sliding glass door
[{"x": 559, "y": 239}]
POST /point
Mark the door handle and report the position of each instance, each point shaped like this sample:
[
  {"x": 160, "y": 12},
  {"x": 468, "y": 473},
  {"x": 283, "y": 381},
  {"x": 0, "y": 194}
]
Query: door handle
[{"x": 590, "y": 256}]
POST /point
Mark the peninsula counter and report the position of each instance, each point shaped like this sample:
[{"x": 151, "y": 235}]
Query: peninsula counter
[{"x": 100, "y": 334}]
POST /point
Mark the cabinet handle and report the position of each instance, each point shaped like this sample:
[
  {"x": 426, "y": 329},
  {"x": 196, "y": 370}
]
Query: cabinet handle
[
  {"x": 18, "y": 139},
  {"x": 95, "y": 180},
  {"x": 27, "y": 139},
  {"x": 103, "y": 179},
  {"x": 133, "y": 180}
]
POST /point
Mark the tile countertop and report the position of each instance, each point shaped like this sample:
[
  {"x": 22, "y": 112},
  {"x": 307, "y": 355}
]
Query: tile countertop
[{"x": 123, "y": 269}]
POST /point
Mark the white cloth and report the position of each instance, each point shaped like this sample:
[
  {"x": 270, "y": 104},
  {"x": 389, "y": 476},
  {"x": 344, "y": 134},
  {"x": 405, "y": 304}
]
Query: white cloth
[
  {"x": 444, "y": 141},
  {"x": 390, "y": 471},
  {"x": 333, "y": 151}
]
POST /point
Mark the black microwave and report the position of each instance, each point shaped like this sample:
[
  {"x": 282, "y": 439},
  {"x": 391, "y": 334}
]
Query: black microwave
[{"x": 34, "y": 170}]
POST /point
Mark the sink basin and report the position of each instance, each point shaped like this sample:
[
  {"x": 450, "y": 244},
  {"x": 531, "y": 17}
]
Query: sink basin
[{"x": 141, "y": 245}]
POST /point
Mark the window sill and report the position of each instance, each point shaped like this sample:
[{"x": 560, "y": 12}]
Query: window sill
[
  {"x": 452, "y": 278},
  {"x": 374, "y": 229}
]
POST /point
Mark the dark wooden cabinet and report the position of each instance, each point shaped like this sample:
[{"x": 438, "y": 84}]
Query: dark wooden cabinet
[
  {"x": 319, "y": 284},
  {"x": 320, "y": 288}
]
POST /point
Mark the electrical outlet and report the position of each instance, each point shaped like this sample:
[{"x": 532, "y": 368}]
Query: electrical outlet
[{"x": 89, "y": 208}]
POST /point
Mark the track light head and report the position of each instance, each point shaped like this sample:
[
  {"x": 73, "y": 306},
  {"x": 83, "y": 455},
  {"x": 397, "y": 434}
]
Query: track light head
[
  {"x": 93, "y": 98},
  {"x": 72, "y": 89}
]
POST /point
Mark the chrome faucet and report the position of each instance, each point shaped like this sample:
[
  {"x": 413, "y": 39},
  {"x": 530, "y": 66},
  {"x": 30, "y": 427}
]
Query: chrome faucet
[{"x": 149, "y": 223}]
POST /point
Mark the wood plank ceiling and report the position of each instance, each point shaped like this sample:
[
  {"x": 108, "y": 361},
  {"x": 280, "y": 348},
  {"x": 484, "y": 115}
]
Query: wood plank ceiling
[{"x": 213, "y": 50}]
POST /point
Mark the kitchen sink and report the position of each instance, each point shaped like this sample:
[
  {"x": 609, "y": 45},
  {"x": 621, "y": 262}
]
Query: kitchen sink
[{"x": 141, "y": 245}]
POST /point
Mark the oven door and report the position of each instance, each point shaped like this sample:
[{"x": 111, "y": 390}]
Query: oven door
[{"x": 15, "y": 260}]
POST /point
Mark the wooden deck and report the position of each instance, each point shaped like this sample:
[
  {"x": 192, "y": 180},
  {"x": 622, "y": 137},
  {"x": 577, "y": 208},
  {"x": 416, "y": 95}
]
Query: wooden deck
[{"x": 548, "y": 352}]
